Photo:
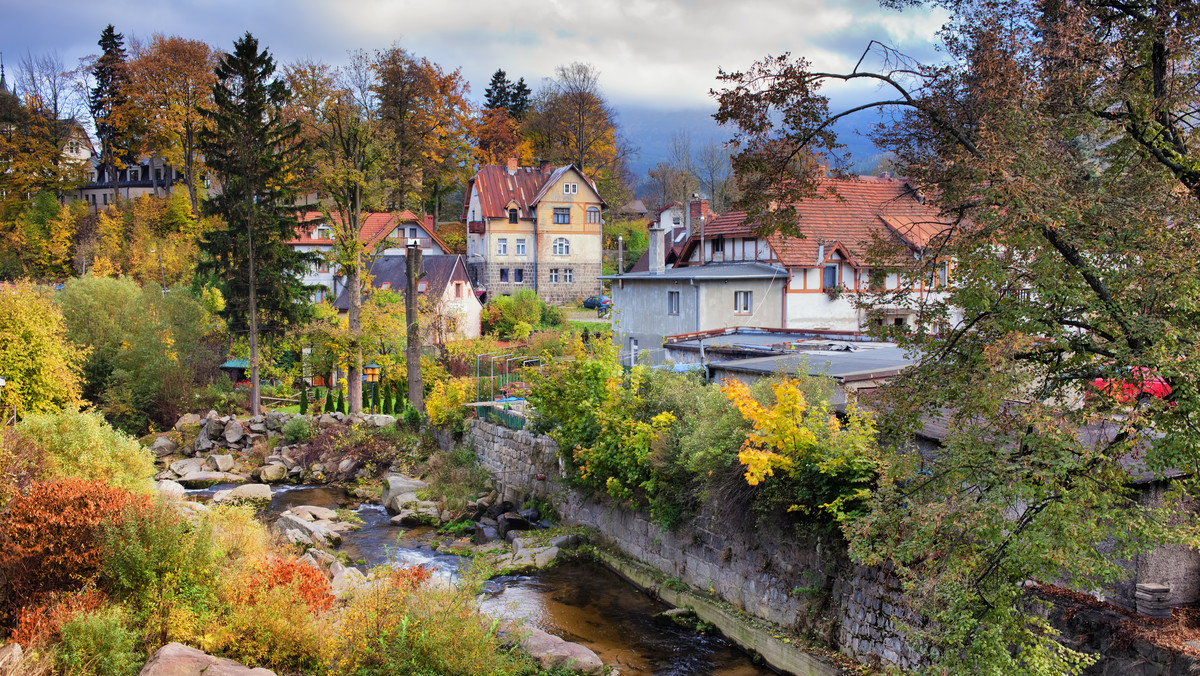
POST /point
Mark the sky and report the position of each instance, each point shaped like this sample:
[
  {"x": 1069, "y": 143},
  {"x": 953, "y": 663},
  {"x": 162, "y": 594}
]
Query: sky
[{"x": 656, "y": 58}]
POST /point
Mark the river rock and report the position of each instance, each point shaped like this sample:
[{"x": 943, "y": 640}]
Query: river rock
[
  {"x": 187, "y": 419},
  {"x": 347, "y": 466},
  {"x": 182, "y": 467},
  {"x": 381, "y": 420},
  {"x": 314, "y": 513},
  {"x": 273, "y": 472},
  {"x": 318, "y": 531},
  {"x": 221, "y": 463},
  {"x": 170, "y": 490},
  {"x": 511, "y": 521},
  {"x": 327, "y": 420},
  {"x": 203, "y": 441},
  {"x": 345, "y": 579},
  {"x": 258, "y": 428},
  {"x": 252, "y": 493},
  {"x": 215, "y": 427},
  {"x": 553, "y": 652},
  {"x": 545, "y": 556},
  {"x": 423, "y": 514},
  {"x": 176, "y": 659},
  {"x": 206, "y": 479},
  {"x": 396, "y": 484},
  {"x": 234, "y": 432},
  {"x": 10, "y": 657},
  {"x": 399, "y": 501},
  {"x": 163, "y": 446},
  {"x": 484, "y": 534},
  {"x": 565, "y": 541},
  {"x": 321, "y": 560},
  {"x": 188, "y": 509}
]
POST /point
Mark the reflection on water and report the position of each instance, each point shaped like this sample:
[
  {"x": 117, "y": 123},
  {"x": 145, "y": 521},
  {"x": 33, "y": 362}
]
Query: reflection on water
[
  {"x": 579, "y": 601},
  {"x": 589, "y": 604}
]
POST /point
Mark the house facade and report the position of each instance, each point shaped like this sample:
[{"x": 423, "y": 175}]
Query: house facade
[
  {"x": 828, "y": 269},
  {"x": 534, "y": 228},
  {"x": 445, "y": 290},
  {"x": 387, "y": 234}
]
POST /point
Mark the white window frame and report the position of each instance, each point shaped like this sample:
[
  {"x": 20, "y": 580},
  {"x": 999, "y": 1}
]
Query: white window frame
[
  {"x": 520, "y": 246},
  {"x": 570, "y": 188},
  {"x": 568, "y": 275},
  {"x": 824, "y": 271},
  {"x": 593, "y": 215},
  {"x": 743, "y": 302},
  {"x": 501, "y": 246},
  {"x": 553, "y": 275},
  {"x": 561, "y": 246},
  {"x": 673, "y": 302}
]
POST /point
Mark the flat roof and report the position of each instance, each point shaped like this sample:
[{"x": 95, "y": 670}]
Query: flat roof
[
  {"x": 879, "y": 361},
  {"x": 747, "y": 270}
]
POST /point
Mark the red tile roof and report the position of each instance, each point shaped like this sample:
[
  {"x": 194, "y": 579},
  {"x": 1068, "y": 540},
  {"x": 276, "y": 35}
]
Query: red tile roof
[
  {"x": 376, "y": 226},
  {"x": 498, "y": 189},
  {"x": 862, "y": 209}
]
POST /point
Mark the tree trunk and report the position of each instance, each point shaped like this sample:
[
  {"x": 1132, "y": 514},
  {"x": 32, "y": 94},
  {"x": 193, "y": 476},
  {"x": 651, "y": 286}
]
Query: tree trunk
[
  {"x": 188, "y": 167},
  {"x": 412, "y": 353},
  {"x": 354, "y": 369},
  {"x": 255, "y": 401}
]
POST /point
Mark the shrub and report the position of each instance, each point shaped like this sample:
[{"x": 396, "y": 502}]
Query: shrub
[
  {"x": 237, "y": 533},
  {"x": 52, "y": 538},
  {"x": 521, "y": 330},
  {"x": 41, "y": 623},
  {"x": 99, "y": 643},
  {"x": 85, "y": 445},
  {"x": 446, "y": 403},
  {"x": 553, "y": 316},
  {"x": 271, "y": 620},
  {"x": 411, "y": 416},
  {"x": 22, "y": 460},
  {"x": 222, "y": 397},
  {"x": 298, "y": 430},
  {"x": 164, "y": 568},
  {"x": 41, "y": 366},
  {"x": 403, "y": 627},
  {"x": 457, "y": 477}
]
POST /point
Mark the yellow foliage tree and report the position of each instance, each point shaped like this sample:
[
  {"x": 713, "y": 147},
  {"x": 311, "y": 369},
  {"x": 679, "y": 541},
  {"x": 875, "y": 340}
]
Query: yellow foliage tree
[{"x": 39, "y": 365}]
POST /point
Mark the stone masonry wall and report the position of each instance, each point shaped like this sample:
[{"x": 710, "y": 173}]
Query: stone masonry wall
[{"x": 787, "y": 579}]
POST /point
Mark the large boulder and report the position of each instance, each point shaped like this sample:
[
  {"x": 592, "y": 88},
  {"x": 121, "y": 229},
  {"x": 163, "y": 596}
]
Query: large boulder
[
  {"x": 206, "y": 479},
  {"x": 380, "y": 420},
  {"x": 187, "y": 419},
  {"x": 234, "y": 432},
  {"x": 395, "y": 484},
  {"x": 318, "y": 531},
  {"x": 250, "y": 493},
  {"x": 10, "y": 657},
  {"x": 221, "y": 463},
  {"x": 397, "y": 502},
  {"x": 176, "y": 659},
  {"x": 187, "y": 466},
  {"x": 345, "y": 579},
  {"x": 171, "y": 490},
  {"x": 273, "y": 472},
  {"x": 215, "y": 427},
  {"x": 314, "y": 513},
  {"x": 163, "y": 446},
  {"x": 555, "y": 653}
]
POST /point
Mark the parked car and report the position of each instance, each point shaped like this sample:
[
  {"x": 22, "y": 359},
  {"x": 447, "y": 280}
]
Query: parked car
[
  {"x": 1140, "y": 381},
  {"x": 597, "y": 302}
]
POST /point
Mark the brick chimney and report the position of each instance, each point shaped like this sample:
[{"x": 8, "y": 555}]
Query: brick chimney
[
  {"x": 512, "y": 165},
  {"x": 429, "y": 223},
  {"x": 657, "y": 253},
  {"x": 544, "y": 166}
]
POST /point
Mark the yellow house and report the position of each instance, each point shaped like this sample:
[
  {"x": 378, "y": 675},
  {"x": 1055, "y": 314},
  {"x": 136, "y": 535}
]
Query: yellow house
[{"x": 534, "y": 228}]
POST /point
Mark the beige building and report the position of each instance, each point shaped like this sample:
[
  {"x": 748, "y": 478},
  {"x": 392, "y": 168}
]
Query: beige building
[{"x": 534, "y": 228}]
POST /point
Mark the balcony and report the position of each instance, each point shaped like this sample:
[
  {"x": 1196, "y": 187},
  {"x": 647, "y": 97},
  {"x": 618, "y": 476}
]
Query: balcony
[{"x": 476, "y": 227}]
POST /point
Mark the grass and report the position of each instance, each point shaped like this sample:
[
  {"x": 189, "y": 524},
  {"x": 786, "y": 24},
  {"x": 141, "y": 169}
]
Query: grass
[{"x": 591, "y": 327}]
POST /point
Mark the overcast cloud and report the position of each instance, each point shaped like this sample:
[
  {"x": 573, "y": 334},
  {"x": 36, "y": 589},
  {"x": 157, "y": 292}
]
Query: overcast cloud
[{"x": 657, "y": 53}]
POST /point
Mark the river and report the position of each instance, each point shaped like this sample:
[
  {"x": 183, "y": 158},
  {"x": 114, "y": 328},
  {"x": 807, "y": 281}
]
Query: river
[{"x": 579, "y": 601}]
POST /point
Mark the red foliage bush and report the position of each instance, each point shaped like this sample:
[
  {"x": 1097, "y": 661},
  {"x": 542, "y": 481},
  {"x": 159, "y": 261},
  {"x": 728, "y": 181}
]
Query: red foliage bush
[
  {"x": 410, "y": 578},
  {"x": 310, "y": 584},
  {"x": 49, "y": 537},
  {"x": 42, "y": 622}
]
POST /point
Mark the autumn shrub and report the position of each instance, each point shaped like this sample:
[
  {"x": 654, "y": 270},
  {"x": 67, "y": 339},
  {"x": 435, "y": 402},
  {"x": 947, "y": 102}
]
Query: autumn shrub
[
  {"x": 299, "y": 430},
  {"x": 79, "y": 444},
  {"x": 99, "y": 643},
  {"x": 237, "y": 533},
  {"x": 456, "y": 476},
  {"x": 22, "y": 460},
  {"x": 164, "y": 568},
  {"x": 40, "y": 366},
  {"x": 373, "y": 448},
  {"x": 271, "y": 617},
  {"x": 446, "y": 404},
  {"x": 405, "y": 627},
  {"x": 52, "y": 536},
  {"x": 41, "y": 623}
]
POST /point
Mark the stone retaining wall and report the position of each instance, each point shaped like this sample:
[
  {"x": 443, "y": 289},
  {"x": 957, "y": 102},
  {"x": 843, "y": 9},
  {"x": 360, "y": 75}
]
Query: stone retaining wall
[{"x": 786, "y": 578}]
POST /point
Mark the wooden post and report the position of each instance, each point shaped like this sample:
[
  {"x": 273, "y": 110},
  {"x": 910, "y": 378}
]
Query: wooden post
[{"x": 412, "y": 353}]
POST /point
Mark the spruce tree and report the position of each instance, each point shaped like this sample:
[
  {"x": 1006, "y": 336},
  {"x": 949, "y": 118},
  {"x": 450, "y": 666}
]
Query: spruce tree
[
  {"x": 499, "y": 91},
  {"x": 518, "y": 99},
  {"x": 329, "y": 401},
  {"x": 341, "y": 404},
  {"x": 255, "y": 155},
  {"x": 304, "y": 399},
  {"x": 106, "y": 98},
  {"x": 375, "y": 398}
]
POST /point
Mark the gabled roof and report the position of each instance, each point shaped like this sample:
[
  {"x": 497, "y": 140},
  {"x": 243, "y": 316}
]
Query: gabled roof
[
  {"x": 392, "y": 270},
  {"x": 377, "y": 225},
  {"x": 860, "y": 210},
  {"x": 525, "y": 187}
]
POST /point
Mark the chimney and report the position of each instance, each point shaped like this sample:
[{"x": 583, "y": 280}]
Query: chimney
[
  {"x": 544, "y": 165},
  {"x": 657, "y": 254},
  {"x": 512, "y": 165},
  {"x": 697, "y": 209},
  {"x": 429, "y": 223}
]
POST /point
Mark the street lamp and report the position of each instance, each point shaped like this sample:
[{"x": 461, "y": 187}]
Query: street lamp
[{"x": 371, "y": 371}]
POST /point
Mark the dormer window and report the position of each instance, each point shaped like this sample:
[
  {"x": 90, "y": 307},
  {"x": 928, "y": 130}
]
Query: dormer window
[
  {"x": 133, "y": 174},
  {"x": 512, "y": 215}
]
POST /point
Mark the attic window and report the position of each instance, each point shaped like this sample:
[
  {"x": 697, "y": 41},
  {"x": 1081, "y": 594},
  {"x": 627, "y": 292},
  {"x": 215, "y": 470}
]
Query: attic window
[
  {"x": 385, "y": 286},
  {"x": 421, "y": 286},
  {"x": 512, "y": 215},
  {"x": 570, "y": 188}
]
